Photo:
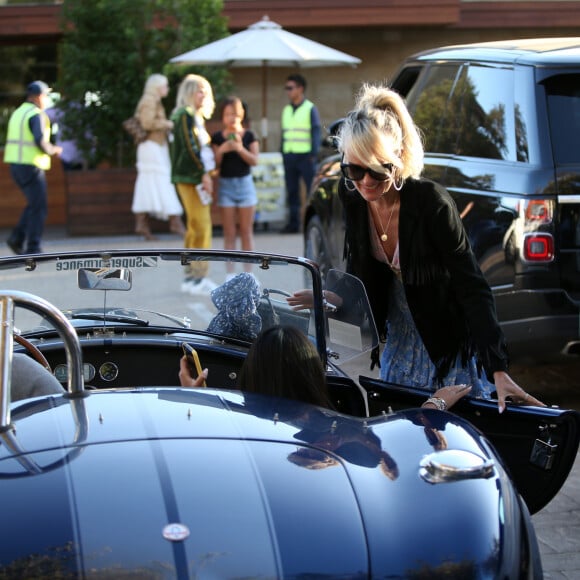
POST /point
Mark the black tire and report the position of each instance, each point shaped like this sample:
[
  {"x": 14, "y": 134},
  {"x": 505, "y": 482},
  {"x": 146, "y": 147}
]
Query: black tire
[{"x": 315, "y": 247}]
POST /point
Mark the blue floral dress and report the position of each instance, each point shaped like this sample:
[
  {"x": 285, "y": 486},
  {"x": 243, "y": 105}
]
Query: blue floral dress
[{"x": 404, "y": 359}]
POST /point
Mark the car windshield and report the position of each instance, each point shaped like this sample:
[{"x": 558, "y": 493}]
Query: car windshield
[{"x": 136, "y": 291}]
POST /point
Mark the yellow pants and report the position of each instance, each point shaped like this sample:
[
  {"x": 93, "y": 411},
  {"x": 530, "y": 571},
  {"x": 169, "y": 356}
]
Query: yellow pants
[{"x": 198, "y": 225}]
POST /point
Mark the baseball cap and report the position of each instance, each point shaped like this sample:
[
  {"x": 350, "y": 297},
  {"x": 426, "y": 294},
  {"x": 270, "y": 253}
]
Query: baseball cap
[{"x": 38, "y": 88}]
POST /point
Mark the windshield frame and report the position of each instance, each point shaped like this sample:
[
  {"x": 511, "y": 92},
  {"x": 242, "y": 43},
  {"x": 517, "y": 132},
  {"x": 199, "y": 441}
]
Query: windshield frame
[{"x": 11, "y": 267}]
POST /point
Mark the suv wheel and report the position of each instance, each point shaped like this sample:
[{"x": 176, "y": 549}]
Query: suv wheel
[{"x": 315, "y": 247}]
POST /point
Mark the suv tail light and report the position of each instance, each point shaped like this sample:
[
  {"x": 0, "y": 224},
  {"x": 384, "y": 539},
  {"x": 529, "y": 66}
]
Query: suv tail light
[
  {"x": 539, "y": 210},
  {"x": 539, "y": 247}
]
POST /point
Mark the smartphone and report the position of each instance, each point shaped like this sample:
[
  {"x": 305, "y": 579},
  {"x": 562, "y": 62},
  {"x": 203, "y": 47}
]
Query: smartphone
[{"x": 193, "y": 359}]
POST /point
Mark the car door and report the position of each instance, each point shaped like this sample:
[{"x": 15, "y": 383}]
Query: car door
[{"x": 537, "y": 445}]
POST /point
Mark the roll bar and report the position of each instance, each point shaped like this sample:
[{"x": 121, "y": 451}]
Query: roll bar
[{"x": 8, "y": 301}]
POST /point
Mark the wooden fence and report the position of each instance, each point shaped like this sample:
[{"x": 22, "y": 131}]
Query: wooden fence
[{"x": 95, "y": 202}]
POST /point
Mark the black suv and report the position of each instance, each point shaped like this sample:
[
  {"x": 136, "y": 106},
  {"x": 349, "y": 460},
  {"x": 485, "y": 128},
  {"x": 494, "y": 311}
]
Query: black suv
[{"x": 501, "y": 125}]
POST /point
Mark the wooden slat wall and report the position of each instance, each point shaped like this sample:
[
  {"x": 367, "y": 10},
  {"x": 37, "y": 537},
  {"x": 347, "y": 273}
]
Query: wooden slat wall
[
  {"x": 309, "y": 13},
  {"x": 546, "y": 14},
  {"x": 17, "y": 22},
  {"x": 25, "y": 23},
  {"x": 99, "y": 203}
]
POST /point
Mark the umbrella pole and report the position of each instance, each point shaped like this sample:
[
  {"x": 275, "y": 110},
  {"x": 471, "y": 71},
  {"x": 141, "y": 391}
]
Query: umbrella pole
[{"x": 264, "y": 127}]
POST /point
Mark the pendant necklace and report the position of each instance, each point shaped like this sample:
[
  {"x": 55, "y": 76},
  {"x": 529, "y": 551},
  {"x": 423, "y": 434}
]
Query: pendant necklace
[{"x": 384, "y": 237}]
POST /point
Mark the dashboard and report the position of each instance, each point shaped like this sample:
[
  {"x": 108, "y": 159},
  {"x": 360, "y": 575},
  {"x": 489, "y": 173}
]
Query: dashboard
[{"x": 114, "y": 363}]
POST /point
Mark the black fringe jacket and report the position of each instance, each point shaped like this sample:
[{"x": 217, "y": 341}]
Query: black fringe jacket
[{"x": 450, "y": 300}]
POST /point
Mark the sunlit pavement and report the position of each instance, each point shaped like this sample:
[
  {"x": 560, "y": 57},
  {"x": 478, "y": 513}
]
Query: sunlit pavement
[
  {"x": 56, "y": 240},
  {"x": 557, "y": 525}
]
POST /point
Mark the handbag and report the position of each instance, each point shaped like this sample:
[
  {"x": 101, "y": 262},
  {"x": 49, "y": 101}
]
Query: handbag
[{"x": 133, "y": 126}]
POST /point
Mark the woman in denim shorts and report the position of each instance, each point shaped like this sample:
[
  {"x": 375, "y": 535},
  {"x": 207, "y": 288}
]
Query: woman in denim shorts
[{"x": 236, "y": 149}]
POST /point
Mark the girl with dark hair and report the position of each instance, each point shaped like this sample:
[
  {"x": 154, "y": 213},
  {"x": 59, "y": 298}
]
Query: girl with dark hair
[
  {"x": 236, "y": 150},
  {"x": 283, "y": 362}
]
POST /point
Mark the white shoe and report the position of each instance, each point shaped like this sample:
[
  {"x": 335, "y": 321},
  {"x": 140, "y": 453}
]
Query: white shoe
[
  {"x": 204, "y": 286},
  {"x": 186, "y": 286}
]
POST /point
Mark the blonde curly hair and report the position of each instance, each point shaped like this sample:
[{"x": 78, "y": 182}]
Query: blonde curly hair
[
  {"x": 188, "y": 87},
  {"x": 153, "y": 83},
  {"x": 380, "y": 130}
]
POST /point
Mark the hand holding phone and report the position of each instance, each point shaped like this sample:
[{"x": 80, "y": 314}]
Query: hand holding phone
[{"x": 193, "y": 359}]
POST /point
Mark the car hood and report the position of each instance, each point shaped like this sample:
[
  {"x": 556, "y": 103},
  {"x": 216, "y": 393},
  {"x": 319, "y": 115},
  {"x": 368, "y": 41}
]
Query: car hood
[{"x": 201, "y": 483}]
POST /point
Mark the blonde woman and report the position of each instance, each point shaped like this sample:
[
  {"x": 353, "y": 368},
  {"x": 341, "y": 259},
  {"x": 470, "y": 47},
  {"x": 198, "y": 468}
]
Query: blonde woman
[
  {"x": 406, "y": 242},
  {"x": 192, "y": 169},
  {"x": 154, "y": 194}
]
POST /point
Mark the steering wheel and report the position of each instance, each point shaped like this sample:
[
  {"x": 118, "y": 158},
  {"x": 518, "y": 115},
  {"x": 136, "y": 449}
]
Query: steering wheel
[{"x": 33, "y": 351}]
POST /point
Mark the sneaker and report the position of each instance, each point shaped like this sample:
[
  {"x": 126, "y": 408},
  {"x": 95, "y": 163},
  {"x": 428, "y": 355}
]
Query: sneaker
[
  {"x": 186, "y": 284},
  {"x": 204, "y": 286}
]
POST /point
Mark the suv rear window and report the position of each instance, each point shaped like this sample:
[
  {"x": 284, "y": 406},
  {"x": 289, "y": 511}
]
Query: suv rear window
[
  {"x": 563, "y": 94},
  {"x": 487, "y": 127},
  {"x": 469, "y": 110},
  {"x": 434, "y": 112}
]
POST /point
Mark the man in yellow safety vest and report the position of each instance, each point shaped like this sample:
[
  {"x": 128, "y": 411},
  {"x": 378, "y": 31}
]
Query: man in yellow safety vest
[
  {"x": 300, "y": 145},
  {"x": 28, "y": 151}
]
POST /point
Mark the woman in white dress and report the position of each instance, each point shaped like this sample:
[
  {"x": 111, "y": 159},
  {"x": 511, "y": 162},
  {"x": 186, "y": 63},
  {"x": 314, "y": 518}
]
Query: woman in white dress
[{"x": 154, "y": 194}]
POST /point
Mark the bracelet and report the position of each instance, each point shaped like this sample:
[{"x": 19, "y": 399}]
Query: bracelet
[
  {"x": 328, "y": 306},
  {"x": 439, "y": 403}
]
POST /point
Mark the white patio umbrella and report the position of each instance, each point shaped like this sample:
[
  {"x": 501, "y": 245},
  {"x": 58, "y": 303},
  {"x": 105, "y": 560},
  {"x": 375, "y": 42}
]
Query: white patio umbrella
[{"x": 266, "y": 44}]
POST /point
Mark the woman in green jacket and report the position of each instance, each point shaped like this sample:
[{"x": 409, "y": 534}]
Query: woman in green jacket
[{"x": 192, "y": 168}]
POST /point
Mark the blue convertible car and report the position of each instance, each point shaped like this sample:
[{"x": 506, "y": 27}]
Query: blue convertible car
[{"x": 124, "y": 474}]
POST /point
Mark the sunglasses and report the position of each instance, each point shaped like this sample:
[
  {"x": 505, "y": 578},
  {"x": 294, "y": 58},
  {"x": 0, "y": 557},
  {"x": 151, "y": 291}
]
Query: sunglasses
[{"x": 357, "y": 172}]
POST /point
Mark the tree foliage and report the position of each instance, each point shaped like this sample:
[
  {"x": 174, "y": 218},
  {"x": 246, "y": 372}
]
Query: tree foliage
[{"x": 109, "y": 49}]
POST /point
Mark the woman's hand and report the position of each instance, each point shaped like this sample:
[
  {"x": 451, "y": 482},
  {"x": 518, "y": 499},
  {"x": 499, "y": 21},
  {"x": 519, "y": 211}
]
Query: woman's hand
[
  {"x": 185, "y": 378},
  {"x": 229, "y": 145},
  {"x": 450, "y": 395},
  {"x": 235, "y": 142},
  {"x": 303, "y": 299},
  {"x": 507, "y": 388},
  {"x": 207, "y": 183}
]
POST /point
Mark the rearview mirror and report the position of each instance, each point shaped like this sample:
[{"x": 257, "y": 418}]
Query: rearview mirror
[{"x": 104, "y": 279}]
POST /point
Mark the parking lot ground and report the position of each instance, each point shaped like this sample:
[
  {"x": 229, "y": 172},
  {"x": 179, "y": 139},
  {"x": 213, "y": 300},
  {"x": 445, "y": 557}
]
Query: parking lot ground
[
  {"x": 558, "y": 530},
  {"x": 557, "y": 525}
]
